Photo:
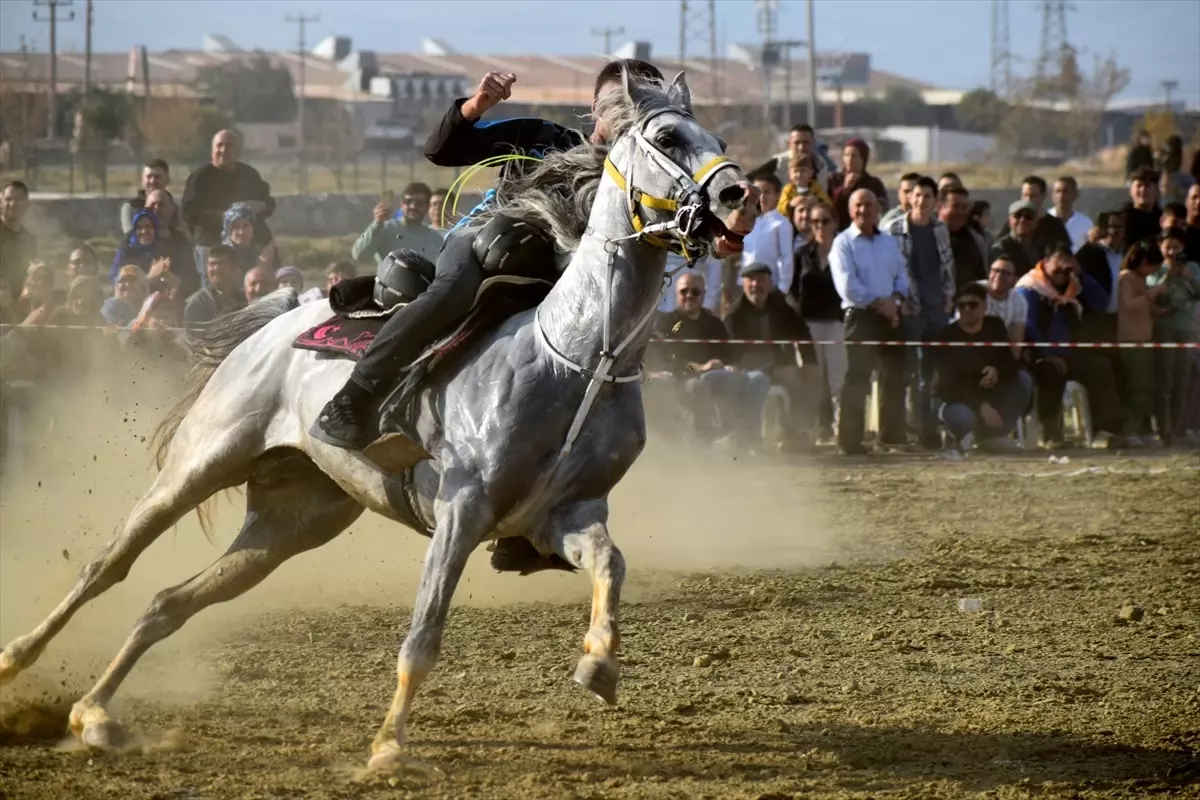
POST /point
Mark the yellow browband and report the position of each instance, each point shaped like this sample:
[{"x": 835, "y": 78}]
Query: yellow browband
[{"x": 660, "y": 203}]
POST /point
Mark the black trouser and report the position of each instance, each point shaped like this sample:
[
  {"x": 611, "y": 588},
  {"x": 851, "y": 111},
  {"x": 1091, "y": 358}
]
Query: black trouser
[
  {"x": 1095, "y": 372},
  {"x": 433, "y": 314},
  {"x": 861, "y": 361}
]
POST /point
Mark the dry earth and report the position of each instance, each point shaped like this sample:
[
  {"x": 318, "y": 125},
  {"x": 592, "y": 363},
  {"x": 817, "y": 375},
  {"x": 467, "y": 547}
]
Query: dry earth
[{"x": 789, "y": 631}]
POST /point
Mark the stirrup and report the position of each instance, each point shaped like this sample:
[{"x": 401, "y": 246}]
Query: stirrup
[{"x": 395, "y": 452}]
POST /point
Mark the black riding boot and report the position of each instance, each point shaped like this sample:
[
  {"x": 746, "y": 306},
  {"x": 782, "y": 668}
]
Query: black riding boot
[{"x": 349, "y": 419}]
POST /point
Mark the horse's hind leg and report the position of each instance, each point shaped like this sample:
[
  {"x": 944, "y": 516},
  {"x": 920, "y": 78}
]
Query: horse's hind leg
[
  {"x": 291, "y": 507},
  {"x": 579, "y": 534},
  {"x": 183, "y": 483},
  {"x": 462, "y": 524}
]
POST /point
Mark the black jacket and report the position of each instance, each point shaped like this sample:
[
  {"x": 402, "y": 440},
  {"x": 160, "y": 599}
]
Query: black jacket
[
  {"x": 744, "y": 321},
  {"x": 675, "y": 358},
  {"x": 812, "y": 291},
  {"x": 209, "y": 194},
  {"x": 1140, "y": 224},
  {"x": 1010, "y": 248},
  {"x": 958, "y": 370},
  {"x": 457, "y": 142},
  {"x": 1093, "y": 260},
  {"x": 1048, "y": 232}
]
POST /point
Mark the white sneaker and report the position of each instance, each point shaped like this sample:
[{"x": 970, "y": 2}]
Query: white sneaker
[{"x": 1103, "y": 439}]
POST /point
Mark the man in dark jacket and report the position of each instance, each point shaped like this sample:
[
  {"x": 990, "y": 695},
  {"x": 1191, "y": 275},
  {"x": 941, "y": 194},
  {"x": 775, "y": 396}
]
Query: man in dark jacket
[
  {"x": 460, "y": 140},
  {"x": 1048, "y": 230},
  {"x": 1142, "y": 214},
  {"x": 1017, "y": 244},
  {"x": 763, "y": 313},
  {"x": 214, "y": 187},
  {"x": 979, "y": 388},
  {"x": 711, "y": 388},
  {"x": 1101, "y": 261}
]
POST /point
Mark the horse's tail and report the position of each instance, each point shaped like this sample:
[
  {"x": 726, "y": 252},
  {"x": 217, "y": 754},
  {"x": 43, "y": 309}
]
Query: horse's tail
[{"x": 211, "y": 345}]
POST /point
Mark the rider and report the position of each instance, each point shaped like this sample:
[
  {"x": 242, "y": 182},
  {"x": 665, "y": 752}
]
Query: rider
[{"x": 460, "y": 140}]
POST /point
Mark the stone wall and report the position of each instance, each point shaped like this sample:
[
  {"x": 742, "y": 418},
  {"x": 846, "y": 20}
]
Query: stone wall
[{"x": 338, "y": 215}]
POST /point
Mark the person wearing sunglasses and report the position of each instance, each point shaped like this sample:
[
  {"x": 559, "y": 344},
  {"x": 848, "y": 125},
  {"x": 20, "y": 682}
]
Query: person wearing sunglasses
[
  {"x": 979, "y": 391},
  {"x": 1017, "y": 244},
  {"x": 713, "y": 392},
  {"x": 386, "y": 234}
]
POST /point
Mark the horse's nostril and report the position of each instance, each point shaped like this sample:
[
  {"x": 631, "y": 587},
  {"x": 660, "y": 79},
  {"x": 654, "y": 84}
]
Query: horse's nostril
[{"x": 732, "y": 195}]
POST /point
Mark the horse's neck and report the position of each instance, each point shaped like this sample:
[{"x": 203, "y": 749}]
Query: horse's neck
[{"x": 573, "y": 315}]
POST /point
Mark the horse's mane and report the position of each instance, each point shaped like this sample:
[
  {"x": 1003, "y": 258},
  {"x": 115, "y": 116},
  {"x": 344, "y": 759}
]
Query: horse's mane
[{"x": 556, "y": 195}]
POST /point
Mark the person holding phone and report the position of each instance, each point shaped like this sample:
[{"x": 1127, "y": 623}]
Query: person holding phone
[{"x": 386, "y": 234}]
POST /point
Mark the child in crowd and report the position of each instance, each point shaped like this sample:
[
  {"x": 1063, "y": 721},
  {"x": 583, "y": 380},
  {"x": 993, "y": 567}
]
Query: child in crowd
[
  {"x": 1177, "y": 305},
  {"x": 801, "y": 181}
]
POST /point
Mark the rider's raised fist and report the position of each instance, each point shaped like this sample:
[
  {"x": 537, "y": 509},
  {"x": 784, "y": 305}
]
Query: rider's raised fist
[{"x": 493, "y": 88}]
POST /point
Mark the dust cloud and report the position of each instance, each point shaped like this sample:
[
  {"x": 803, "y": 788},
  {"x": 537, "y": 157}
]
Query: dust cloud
[{"x": 675, "y": 511}]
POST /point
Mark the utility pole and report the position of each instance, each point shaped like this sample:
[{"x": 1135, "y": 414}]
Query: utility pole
[
  {"x": 607, "y": 34},
  {"x": 52, "y": 6},
  {"x": 1053, "y": 46},
  {"x": 770, "y": 55},
  {"x": 812, "y": 69},
  {"x": 786, "y": 46},
  {"x": 87, "y": 50},
  {"x": 301, "y": 162},
  {"x": 1169, "y": 85}
]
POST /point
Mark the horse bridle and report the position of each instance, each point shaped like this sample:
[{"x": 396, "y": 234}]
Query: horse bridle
[
  {"x": 689, "y": 200},
  {"x": 692, "y": 218}
]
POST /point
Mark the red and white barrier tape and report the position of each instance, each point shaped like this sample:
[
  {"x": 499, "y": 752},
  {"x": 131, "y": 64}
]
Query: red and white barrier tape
[
  {"x": 869, "y": 343},
  {"x": 872, "y": 343}
]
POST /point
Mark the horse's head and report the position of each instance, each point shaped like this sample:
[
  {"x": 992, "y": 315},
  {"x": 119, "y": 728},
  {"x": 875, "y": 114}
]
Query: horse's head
[{"x": 679, "y": 184}]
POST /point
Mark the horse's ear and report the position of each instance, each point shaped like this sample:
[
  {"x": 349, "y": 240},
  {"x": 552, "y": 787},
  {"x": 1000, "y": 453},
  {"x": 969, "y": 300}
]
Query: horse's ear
[{"x": 679, "y": 93}]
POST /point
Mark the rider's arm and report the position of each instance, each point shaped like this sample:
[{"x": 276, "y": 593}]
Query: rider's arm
[{"x": 460, "y": 142}]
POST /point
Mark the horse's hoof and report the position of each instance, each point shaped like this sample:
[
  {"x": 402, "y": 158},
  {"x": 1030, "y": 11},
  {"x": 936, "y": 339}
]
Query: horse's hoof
[
  {"x": 107, "y": 735},
  {"x": 598, "y": 676},
  {"x": 9, "y": 668},
  {"x": 388, "y": 758}
]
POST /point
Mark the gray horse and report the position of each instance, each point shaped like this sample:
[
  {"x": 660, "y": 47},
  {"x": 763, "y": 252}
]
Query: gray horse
[{"x": 527, "y": 438}]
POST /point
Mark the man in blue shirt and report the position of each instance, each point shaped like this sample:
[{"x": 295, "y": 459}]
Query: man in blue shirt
[{"x": 871, "y": 276}]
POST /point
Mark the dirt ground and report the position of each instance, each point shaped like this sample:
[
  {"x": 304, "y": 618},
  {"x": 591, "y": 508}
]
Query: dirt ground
[{"x": 789, "y": 630}]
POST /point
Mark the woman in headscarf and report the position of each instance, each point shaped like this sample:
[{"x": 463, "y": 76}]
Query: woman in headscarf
[
  {"x": 238, "y": 233},
  {"x": 141, "y": 248},
  {"x": 85, "y": 297},
  {"x": 854, "y": 176}
]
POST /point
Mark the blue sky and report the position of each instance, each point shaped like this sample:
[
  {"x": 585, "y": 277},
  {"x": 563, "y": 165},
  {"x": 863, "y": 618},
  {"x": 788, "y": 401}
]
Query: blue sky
[{"x": 942, "y": 42}]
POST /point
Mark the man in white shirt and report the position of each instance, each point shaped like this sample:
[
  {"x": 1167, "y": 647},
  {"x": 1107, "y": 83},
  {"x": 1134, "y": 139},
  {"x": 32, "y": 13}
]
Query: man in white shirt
[
  {"x": 770, "y": 242},
  {"x": 1003, "y": 302},
  {"x": 871, "y": 276},
  {"x": 1066, "y": 191}
]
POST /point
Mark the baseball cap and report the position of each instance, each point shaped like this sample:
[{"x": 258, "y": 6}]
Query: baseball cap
[{"x": 1022, "y": 205}]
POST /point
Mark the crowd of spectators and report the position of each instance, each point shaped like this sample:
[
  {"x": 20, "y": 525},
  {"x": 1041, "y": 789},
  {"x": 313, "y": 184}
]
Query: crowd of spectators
[
  {"x": 829, "y": 260},
  {"x": 882, "y": 289}
]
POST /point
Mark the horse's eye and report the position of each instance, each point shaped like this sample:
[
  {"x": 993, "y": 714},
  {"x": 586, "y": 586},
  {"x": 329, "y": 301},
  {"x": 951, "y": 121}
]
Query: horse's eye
[{"x": 665, "y": 139}]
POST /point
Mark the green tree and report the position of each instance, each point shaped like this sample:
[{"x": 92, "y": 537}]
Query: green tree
[
  {"x": 251, "y": 90},
  {"x": 904, "y": 106}
]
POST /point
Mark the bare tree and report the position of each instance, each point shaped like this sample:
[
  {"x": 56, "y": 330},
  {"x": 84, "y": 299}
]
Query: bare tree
[{"x": 1087, "y": 95}]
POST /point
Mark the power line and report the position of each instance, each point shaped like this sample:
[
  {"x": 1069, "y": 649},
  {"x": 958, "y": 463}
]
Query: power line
[
  {"x": 52, "y": 6},
  {"x": 301, "y": 163},
  {"x": 1054, "y": 48},
  {"x": 607, "y": 34}
]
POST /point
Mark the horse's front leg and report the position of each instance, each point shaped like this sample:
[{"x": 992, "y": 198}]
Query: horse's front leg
[
  {"x": 463, "y": 520},
  {"x": 579, "y": 534}
]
